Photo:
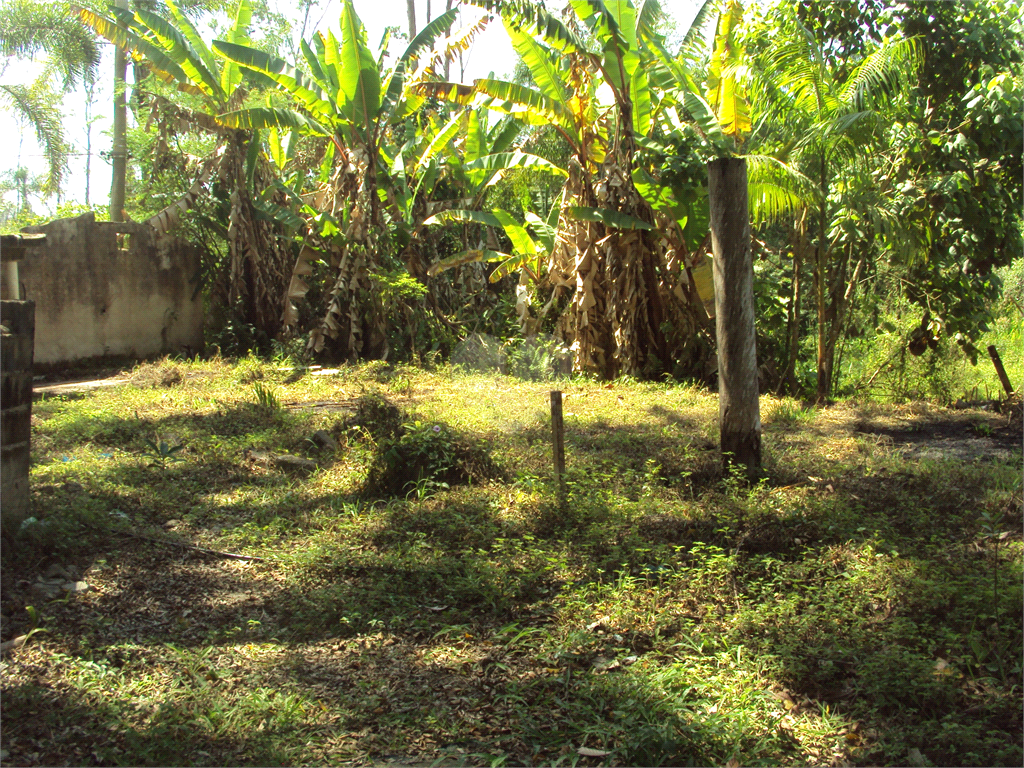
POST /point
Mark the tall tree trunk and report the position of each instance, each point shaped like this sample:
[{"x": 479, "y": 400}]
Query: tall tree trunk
[
  {"x": 739, "y": 416},
  {"x": 89, "y": 89},
  {"x": 119, "y": 151},
  {"x": 789, "y": 382},
  {"x": 843, "y": 291},
  {"x": 411, "y": 8},
  {"x": 824, "y": 381}
]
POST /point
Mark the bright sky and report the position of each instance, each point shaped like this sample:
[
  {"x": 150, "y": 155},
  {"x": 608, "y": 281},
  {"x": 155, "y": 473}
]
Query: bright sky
[{"x": 492, "y": 51}]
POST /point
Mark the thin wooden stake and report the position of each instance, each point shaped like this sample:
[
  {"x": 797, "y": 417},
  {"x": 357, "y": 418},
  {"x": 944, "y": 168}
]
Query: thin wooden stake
[
  {"x": 558, "y": 440},
  {"x": 1000, "y": 371}
]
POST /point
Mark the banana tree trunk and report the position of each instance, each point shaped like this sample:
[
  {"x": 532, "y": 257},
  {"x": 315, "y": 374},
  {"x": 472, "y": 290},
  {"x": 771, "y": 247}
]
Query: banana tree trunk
[{"x": 739, "y": 416}]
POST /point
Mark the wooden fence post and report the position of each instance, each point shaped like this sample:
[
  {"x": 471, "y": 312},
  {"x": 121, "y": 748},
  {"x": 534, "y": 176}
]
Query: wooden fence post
[
  {"x": 1000, "y": 371},
  {"x": 558, "y": 441}
]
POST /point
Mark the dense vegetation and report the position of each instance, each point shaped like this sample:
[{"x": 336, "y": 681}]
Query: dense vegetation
[{"x": 335, "y": 186}]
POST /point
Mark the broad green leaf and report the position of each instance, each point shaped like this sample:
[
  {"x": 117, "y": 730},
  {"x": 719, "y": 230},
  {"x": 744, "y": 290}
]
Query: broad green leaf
[
  {"x": 705, "y": 117},
  {"x": 156, "y": 60},
  {"x": 463, "y": 216},
  {"x": 290, "y": 79},
  {"x": 330, "y": 73},
  {"x": 503, "y": 134},
  {"x": 528, "y": 105},
  {"x": 360, "y": 79},
  {"x": 648, "y": 17},
  {"x": 608, "y": 217},
  {"x": 327, "y": 164},
  {"x": 177, "y": 49},
  {"x": 270, "y": 117},
  {"x": 476, "y": 139},
  {"x": 522, "y": 243},
  {"x": 658, "y": 196},
  {"x": 192, "y": 35},
  {"x": 315, "y": 69},
  {"x": 543, "y": 66},
  {"x": 276, "y": 147},
  {"x": 231, "y": 75},
  {"x": 509, "y": 160},
  {"x": 466, "y": 257},
  {"x": 534, "y": 19},
  {"x": 511, "y": 265},
  {"x": 441, "y": 139},
  {"x": 426, "y": 37},
  {"x": 544, "y": 231},
  {"x": 640, "y": 95}
]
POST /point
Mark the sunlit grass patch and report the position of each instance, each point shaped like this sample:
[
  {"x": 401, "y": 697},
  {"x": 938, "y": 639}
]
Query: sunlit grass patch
[{"x": 850, "y": 607}]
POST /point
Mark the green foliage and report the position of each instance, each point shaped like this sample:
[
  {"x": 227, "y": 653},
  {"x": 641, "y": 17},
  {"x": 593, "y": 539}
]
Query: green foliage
[
  {"x": 266, "y": 399},
  {"x": 160, "y": 452},
  {"x": 857, "y": 603},
  {"x": 413, "y": 457}
]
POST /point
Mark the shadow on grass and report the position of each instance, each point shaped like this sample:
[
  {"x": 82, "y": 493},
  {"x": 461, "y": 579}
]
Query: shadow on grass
[
  {"x": 847, "y": 595},
  {"x": 46, "y": 725}
]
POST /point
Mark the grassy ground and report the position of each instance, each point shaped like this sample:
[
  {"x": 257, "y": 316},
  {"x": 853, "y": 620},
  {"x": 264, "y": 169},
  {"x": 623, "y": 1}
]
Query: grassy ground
[{"x": 861, "y": 605}]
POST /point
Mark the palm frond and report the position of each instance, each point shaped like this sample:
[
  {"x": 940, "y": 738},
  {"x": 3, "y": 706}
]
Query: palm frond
[
  {"x": 884, "y": 72},
  {"x": 775, "y": 188},
  {"x": 37, "y": 104},
  {"x": 28, "y": 28}
]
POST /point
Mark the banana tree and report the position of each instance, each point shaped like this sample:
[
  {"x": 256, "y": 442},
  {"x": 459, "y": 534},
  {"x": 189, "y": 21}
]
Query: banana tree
[
  {"x": 623, "y": 285},
  {"x": 346, "y": 96},
  {"x": 465, "y": 156},
  {"x": 252, "y": 280},
  {"x": 529, "y": 256}
]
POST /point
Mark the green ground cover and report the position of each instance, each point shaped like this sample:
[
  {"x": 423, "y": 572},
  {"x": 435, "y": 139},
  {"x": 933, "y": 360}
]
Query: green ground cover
[{"x": 861, "y": 605}]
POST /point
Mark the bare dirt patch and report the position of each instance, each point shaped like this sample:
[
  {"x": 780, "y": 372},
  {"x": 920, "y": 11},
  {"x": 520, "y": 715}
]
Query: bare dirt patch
[{"x": 922, "y": 432}]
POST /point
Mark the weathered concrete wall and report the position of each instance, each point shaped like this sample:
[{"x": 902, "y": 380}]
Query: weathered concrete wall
[{"x": 96, "y": 296}]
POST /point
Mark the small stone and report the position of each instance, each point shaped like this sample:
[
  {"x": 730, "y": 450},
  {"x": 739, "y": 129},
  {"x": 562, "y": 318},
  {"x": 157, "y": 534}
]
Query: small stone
[
  {"x": 170, "y": 525},
  {"x": 57, "y": 570},
  {"x": 284, "y": 461},
  {"x": 325, "y": 440},
  {"x": 76, "y": 587}
]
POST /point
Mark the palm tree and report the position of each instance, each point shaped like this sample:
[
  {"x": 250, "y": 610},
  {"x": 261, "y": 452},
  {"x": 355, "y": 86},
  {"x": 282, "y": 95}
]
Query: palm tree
[
  {"x": 27, "y": 29},
  {"x": 837, "y": 124},
  {"x": 254, "y": 278}
]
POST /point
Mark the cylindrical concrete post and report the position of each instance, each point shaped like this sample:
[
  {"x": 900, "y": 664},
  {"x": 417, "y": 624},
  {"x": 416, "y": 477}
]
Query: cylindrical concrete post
[{"x": 16, "y": 348}]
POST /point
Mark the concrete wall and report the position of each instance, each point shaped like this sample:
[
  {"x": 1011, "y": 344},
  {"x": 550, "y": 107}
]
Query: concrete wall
[{"x": 106, "y": 288}]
